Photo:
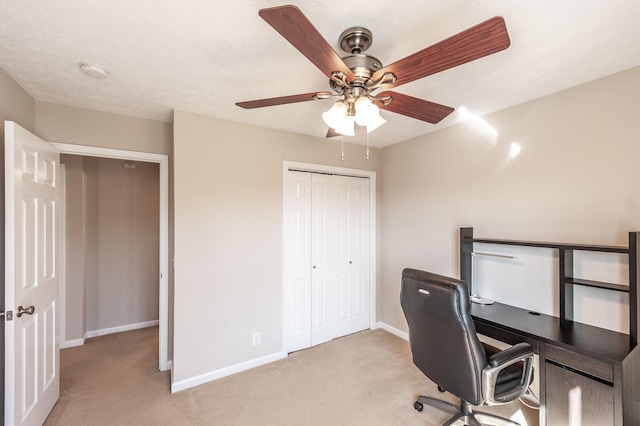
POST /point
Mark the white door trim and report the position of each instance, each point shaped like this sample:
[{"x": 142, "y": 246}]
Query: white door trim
[
  {"x": 309, "y": 167},
  {"x": 62, "y": 267},
  {"x": 163, "y": 161}
]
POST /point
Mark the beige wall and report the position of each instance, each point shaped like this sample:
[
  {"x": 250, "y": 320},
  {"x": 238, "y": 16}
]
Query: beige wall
[
  {"x": 15, "y": 104},
  {"x": 228, "y": 236},
  {"x": 112, "y": 244},
  {"x": 575, "y": 180},
  {"x": 66, "y": 124},
  {"x": 75, "y": 317},
  {"x": 128, "y": 243}
]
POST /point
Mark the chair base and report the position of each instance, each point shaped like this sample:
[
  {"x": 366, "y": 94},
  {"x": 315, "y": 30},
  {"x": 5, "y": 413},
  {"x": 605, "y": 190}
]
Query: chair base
[{"x": 462, "y": 413}]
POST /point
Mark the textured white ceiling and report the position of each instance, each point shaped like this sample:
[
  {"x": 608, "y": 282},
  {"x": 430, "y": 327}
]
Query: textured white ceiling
[{"x": 205, "y": 55}]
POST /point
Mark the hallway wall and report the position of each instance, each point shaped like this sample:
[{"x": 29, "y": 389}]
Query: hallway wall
[{"x": 112, "y": 245}]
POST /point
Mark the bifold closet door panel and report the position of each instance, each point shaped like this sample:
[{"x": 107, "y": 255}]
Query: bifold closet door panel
[
  {"x": 329, "y": 233},
  {"x": 354, "y": 281},
  {"x": 297, "y": 271}
]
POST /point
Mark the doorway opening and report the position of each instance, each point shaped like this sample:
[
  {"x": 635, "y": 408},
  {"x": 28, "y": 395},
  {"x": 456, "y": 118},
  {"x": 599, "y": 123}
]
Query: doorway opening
[{"x": 163, "y": 224}]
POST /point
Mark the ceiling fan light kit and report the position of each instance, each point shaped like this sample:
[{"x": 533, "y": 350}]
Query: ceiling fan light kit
[
  {"x": 344, "y": 113},
  {"x": 368, "y": 114},
  {"x": 355, "y": 78}
]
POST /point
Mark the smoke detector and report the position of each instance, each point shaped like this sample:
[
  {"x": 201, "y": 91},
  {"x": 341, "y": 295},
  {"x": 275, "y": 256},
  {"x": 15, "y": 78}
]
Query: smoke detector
[{"x": 94, "y": 70}]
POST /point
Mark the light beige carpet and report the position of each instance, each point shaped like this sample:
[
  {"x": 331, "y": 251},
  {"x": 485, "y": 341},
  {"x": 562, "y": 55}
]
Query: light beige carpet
[{"x": 363, "y": 379}]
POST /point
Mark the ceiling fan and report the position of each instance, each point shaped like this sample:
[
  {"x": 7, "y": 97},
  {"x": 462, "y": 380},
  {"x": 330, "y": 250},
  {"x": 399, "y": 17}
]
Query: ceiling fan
[{"x": 355, "y": 78}]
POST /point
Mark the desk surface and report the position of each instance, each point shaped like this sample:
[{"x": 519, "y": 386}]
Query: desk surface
[{"x": 595, "y": 342}]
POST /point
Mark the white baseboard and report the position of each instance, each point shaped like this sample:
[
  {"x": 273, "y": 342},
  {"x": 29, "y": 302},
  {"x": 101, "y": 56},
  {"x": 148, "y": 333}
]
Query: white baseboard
[
  {"x": 71, "y": 343},
  {"x": 392, "y": 330},
  {"x": 224, "y": 372},
  {"x": 128, "y": 327}
]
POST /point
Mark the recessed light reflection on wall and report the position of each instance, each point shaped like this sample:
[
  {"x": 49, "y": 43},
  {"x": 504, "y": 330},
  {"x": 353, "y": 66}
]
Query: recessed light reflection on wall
[
  {"x": 514, "y": 150},
  {"x": 486, "y": 128}
]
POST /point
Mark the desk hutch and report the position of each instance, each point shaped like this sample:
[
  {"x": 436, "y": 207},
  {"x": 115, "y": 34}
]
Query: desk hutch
[{"x": 585, "y": 368}]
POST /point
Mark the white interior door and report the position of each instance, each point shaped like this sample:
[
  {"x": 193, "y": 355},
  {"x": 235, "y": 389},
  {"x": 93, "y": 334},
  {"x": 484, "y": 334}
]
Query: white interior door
[{"x": 32, "y": 379}]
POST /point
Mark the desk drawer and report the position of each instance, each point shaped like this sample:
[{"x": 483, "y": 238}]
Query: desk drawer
[
  {"x": 504, "y": 335},
  {"x": 579, "y": 362}
]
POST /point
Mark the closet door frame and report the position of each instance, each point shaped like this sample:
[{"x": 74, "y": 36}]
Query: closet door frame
[{"x": 318, "y": 168}]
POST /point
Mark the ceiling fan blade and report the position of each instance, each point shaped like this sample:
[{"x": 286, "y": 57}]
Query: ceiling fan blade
[
  {"x": 416, "y": 108},
  {"x": 332, "y": 133},
  {"x": 291, "y": 23},
  {"x": 282, "y": 100},
  {"x": 484, "y": 39}
]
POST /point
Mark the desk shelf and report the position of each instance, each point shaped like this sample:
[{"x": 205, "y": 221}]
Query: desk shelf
[
  {"x": 541, "y": 244},
  {"x": 566, "y": 279},
  {"x": 598, "y": 284}
]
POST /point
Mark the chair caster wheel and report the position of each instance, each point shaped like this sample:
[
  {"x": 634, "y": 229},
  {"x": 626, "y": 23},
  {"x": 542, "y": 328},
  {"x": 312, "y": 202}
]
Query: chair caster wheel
[
  {"x": 418, "y": 406},
  {"x": 441, "y": 389}
]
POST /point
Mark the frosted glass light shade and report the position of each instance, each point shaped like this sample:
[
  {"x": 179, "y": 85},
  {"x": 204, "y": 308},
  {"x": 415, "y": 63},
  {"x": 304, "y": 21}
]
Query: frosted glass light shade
[
  {"x": 375, "y": 120},
  {"x": 338, "y": 119},
  {"x": 347, "y": 126},
  {"x": 363, "y": 110},
  {"x": 368, "y": 114},
  {"x": 334, "y": 116}
]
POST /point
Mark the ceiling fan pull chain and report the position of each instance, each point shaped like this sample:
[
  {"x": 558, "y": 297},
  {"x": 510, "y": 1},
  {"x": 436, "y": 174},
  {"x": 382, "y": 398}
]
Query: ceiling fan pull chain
[
  {"x": 367, "y": 145},
  {"x": 342, "y": 153}
]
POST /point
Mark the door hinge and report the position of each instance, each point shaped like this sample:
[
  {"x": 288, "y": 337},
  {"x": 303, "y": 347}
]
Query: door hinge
[{"x": 7, "y": 315}]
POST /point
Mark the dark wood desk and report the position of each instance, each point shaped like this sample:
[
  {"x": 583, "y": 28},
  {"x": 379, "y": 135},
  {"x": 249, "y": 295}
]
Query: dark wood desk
[
  {"x": 572, "y": 355},
  {"x": 583, "y": 369}
]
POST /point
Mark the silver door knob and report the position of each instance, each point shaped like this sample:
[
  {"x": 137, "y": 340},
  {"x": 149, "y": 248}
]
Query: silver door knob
[{"x": 29, "y": 311}]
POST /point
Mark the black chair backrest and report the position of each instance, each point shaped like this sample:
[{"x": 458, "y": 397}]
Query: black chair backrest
[{"x": 442, "y": 334}]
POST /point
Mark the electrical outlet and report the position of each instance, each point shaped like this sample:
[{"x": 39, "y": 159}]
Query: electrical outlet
[{"x": 256, "y": 339}]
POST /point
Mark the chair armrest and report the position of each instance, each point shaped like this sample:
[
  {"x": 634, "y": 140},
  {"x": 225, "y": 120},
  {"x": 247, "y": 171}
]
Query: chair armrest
[
  {"x": 514, "y": 388},
  {"x": 517, "y": 352}
]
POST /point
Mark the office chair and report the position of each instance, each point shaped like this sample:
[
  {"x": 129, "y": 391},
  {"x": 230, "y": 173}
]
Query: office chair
[{"x": 447, "y": 350}]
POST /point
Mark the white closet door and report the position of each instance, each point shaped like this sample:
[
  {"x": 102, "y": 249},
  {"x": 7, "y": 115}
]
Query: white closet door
[
  {"x": 326, "y": 259},
  {"x": 297, "y": 219}
]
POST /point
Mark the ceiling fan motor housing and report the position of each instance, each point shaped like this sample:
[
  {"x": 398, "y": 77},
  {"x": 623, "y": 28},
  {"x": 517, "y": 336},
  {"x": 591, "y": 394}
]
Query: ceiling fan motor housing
[
  {"x": 356, "y": 40},
  {"x": 362, "y": 66}
]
